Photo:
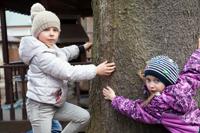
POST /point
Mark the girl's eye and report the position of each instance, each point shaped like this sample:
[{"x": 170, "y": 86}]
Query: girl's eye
[
  {"x": 55, "y": 30},
  {"x": 147, "y": 80},
  {"x": 157, "y": 80},
  {"x": 46, "y": 29}
]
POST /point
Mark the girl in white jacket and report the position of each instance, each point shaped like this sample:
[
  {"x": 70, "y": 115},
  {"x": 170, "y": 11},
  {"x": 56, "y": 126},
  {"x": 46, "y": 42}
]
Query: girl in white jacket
[{"x": 49, "y": 71}]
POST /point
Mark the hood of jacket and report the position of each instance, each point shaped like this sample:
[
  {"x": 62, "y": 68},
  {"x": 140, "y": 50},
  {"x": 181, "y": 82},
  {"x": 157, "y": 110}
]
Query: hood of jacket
[{"x": 28, "y": 44}]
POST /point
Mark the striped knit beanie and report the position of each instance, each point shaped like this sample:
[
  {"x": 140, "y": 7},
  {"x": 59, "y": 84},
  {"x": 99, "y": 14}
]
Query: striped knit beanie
[
  {"x": 42, "y": 19},
  {"x": 163, "y": 68}
]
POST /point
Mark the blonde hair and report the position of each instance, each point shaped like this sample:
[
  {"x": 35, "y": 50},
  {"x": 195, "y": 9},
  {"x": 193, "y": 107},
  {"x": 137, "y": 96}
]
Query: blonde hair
[
  {"x": 50, "y": 46},
  {"x": 141, "y": 75},
  {"x": 148, "y": 100}
]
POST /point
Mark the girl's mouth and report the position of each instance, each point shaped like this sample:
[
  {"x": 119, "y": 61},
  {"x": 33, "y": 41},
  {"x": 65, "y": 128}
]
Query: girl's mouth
[
  {"x": 152, "y": 92},
  {"x": 51, "y": 40}
]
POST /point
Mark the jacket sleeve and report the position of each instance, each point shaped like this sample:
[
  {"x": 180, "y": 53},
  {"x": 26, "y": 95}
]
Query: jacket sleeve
[
  {"x": 191, "y": 72},
  {"x": 131, "y": 109},
  {"x": 58, "y": 68},
  {"x": 72, "y": 52},
  {"x": 180, "y": 95}
]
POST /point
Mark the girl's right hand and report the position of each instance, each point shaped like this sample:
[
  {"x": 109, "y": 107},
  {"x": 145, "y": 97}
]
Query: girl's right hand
[
  {"x": 88, "y": 46},
  {"x": 105, "y": 68},
  {"x": 108, "y": 93}
]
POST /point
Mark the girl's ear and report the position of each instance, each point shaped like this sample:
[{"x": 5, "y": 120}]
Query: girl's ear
[{"x": 141, "y": 75}]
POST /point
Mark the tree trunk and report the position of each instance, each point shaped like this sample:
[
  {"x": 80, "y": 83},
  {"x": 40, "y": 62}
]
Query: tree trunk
[{"x": 131, "y": 32}]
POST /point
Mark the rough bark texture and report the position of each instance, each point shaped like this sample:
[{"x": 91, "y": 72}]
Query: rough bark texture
[{"x": 130, "y": 32}]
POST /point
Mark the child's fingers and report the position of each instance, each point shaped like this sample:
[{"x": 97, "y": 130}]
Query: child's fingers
[
  {"x": 105, "y": 91},
  {"x": 110, "y": 64},
  {"x": 110, "y": 68},
  {"x": 106, "y": 98},
  {"x": 108, "y": 72},
  {"x": 199, "y": 43},
  {"x": 105, "y": 62},
  {"x": 109, "y": 88},
  {"x": 89, "y": 44}
]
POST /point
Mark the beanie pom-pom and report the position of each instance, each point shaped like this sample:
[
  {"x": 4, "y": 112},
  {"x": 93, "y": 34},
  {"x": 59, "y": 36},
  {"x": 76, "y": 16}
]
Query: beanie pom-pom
[{"x": 35, "y": 9}]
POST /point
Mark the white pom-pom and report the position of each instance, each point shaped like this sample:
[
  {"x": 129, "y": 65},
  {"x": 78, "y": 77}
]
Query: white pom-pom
[{"x": 35, "y": 9}]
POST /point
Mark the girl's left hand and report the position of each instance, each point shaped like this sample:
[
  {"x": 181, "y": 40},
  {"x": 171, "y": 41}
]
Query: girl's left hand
[
  {"x": 108, "y": 93},
  {"x": 87, "y": 46}
]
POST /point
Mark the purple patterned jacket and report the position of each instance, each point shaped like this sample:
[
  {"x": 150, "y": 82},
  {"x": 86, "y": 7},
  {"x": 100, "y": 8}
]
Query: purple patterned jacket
[{"x": 175, "y": 108}]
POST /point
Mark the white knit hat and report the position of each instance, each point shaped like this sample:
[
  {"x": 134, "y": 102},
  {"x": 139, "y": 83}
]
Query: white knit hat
[{"x": 42, "y": 19}]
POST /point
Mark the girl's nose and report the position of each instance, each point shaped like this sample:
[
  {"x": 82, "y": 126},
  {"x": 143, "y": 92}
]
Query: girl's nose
[
  {"x": 151, "y": 85},
  {"x": 51, "y": 32}
]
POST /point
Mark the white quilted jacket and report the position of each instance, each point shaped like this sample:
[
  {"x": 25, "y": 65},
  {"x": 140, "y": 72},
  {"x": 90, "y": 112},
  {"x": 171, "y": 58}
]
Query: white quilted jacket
[{"x": 49, "y": 70}]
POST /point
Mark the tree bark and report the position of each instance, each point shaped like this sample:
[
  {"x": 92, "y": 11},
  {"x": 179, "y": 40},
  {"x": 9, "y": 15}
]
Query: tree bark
[{"x": 129, "y": 33}]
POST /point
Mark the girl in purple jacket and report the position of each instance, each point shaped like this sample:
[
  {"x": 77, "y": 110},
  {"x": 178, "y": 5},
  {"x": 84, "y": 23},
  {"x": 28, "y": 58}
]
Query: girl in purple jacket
[{"x": 171, "y": 102}]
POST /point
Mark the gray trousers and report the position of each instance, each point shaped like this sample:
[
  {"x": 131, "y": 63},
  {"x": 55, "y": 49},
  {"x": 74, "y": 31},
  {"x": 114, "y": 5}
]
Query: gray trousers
[{"x": 41, "y": 115}]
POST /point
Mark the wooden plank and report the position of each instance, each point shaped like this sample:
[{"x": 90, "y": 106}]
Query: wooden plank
[{"x": 5, "y": 47}]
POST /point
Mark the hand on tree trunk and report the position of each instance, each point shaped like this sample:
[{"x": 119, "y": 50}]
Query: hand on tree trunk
[
  {"x": 88, "y": 46},
  {"x": 108, "y": 93},
  {"x": 198, "y": 43},
  {"x": 105, "y": 68}
]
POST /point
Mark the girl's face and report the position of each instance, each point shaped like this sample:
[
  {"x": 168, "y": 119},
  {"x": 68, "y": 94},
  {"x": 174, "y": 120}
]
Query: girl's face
[
  {"x": 49, "y": 36},
  {"x": 154, "y": 84}
]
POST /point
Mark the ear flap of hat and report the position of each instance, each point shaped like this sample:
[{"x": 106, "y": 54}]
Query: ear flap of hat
[{"x": 35, "y": 9}]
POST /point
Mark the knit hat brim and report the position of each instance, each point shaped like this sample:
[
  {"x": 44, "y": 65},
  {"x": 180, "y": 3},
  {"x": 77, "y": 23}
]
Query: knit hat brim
[
  {"x": 36, "y": 32},
  {"x": 158, "y": 76}
]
